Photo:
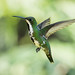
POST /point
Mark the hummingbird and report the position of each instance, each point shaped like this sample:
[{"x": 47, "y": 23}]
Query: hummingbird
[{"x": 39, "y": 33}]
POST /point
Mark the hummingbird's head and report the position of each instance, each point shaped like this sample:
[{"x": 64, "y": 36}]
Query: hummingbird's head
[{"x": 29, "y": 20}]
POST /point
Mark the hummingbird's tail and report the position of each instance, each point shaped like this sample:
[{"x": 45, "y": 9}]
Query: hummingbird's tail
[{"x": 49, "y": 56}]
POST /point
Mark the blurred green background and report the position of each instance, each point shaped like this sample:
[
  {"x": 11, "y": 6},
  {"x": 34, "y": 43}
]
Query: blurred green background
[{"x": 17, "y": 52}]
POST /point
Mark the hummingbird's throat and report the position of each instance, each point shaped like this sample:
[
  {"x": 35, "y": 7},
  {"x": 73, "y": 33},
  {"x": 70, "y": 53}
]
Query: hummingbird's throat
[{"x": 30, "y": 28}]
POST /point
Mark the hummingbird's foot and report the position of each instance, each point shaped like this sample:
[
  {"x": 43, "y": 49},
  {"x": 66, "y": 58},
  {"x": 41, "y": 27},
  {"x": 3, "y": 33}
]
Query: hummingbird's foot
[{"x": 38, "y": 49}]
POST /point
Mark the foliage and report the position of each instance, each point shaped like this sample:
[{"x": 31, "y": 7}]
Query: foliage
[{"x": 17, "y": 52}]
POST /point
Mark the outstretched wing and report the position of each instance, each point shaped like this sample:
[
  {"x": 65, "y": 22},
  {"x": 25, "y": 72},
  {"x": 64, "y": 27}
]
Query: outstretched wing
[
  {"x": 52, "y": 28},
  {"x": 44, "y": 24}
]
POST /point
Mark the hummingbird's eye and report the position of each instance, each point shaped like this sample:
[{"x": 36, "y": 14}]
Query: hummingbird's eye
[{"x": 30, "y": 20}]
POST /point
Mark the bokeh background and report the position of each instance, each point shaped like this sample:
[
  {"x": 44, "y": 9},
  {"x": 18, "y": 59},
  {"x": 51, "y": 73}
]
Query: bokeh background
[{"x": 17, "y": 52}]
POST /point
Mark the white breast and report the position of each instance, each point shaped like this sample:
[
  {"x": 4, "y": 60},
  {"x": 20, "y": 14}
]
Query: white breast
[
  {"x": 30, "y": 27},
  {"x": 36, "y": 43},
  {"x": 31, "y": 34}
]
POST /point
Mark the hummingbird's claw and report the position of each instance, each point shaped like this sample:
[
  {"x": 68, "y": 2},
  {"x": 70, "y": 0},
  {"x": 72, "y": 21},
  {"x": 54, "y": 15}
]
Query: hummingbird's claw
[{"x": 38, "y": 49}]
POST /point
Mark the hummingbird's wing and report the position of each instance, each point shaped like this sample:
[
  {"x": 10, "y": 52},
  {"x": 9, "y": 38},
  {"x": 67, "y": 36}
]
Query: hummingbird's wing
[
  {"x": 52, "y": 28},
  {"x": 44, "y": 23}
]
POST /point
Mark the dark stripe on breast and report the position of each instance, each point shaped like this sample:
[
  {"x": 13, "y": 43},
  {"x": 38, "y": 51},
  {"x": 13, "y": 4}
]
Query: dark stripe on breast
[
  {"x": 28, "y": 27},
  {"x": 32, "y": 39}
]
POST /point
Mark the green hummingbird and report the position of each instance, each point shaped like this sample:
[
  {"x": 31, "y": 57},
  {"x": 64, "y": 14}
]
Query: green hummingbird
[{"x": 40, "y": 33}]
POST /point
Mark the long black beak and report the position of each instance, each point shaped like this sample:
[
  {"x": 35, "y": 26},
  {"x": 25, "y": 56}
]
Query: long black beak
[{"x": 20, "y": 17}]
